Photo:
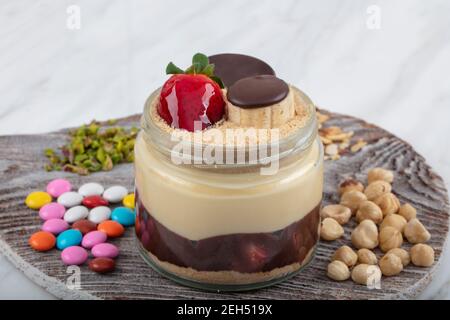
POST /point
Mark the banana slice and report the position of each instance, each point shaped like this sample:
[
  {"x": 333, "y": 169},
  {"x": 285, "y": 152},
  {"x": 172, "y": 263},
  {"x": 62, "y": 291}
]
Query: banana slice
[{"x": 266, "y": 117}]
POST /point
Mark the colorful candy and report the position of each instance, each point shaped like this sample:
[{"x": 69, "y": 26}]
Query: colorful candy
[
  {"x": 58, "y": 186},
  {"x": 55, "y": 226},
  {"x": 76, "y": 213},
  {"x": 123, "y": 215},
  {"x": 102, "y": 265},
  {"x": 115, "y": 194},
  {"x": 93, "y": 238},
  {"x": 112, "y": 229},
  {"x": 94, "y": 201},
  {"x": 70, "y": 199},
  {"x": 84, "y": 226},
  {"x": 38, "y": 199},
  {"x": 42, "y": 241},
  {"x": 74, "y": 255},
  {"x": 129, "y": 200},
  {"x": 91, "y": 189},
  {"x": 99, "y": 214},
  {"x": 52, "y": 210},
  {"x": 105, "y": 250},
  {"x": 68, "y": 238},
  {"x": 90, "y": 229}
]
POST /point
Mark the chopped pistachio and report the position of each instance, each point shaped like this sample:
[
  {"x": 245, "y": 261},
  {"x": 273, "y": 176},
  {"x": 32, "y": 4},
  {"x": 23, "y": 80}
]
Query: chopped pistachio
[{"x": 93, "y": 148}]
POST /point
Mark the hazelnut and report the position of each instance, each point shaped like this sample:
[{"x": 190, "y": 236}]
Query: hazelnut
[
  {"x": 338, "y": 212},
  {"x": 365, "y": 235},
  {"x": 376, "y": 189},
  {"x": 390, "y": 238},
  {"x": 376, "y": 174},
  {"x": 349, "y": 185},
  {"x": 331, "y": 230},
  {"x": 346, "y": 255},
  {"x": 337, "y": 270},
  {"x": 394, "y": 220},
  {"x": 366, "y": 274},
  {"x": 407, "y": 211},
  {"x": 366, "y": 256},
  {"x": 391, "y": 264},
  {"x": 369, "y": 210},
  {"x": 416, "y": 232},
  {"x": 388, "y": 203},
  {"x": 352, "y": 199},
  {"x": 422, "y": 255},
  {"x": 402, "y": 254}
]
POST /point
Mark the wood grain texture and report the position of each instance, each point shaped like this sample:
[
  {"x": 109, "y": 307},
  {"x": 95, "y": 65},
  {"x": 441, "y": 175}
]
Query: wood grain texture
[{"x": 22, "y": 160}]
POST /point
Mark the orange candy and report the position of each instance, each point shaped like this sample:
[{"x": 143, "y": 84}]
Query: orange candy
[
  {"x": 42, "y": 241},
  {"x": 112, "y": 229}
]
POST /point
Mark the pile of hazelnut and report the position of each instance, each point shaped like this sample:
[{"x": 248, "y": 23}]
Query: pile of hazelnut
[{"x": 382, "y": 222}]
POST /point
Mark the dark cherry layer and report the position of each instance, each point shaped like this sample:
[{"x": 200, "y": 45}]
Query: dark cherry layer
[
  {"x": 257, "y": 91},
  {"x": 253, "y": 252},
  {"x": 231, "y": 67}
]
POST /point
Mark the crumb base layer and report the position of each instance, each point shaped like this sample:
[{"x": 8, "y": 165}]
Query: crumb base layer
[{"x": 225, "y": 281}]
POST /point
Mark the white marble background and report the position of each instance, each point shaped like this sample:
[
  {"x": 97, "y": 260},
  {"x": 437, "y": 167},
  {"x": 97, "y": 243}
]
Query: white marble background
[{"x": 397, "y": 76}]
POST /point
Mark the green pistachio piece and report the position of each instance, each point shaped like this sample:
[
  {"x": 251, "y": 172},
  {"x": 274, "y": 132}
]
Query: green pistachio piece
[{"x": 93, "y": 148}]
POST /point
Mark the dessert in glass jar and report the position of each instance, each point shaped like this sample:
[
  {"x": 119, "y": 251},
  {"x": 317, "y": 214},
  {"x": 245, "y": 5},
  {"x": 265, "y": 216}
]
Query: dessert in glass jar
[{"x": 228, "y": 180}]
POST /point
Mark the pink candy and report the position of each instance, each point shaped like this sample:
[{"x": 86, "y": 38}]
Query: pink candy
[
  {"x": 52, "y": 211},
  {"x": 93, "y": 238},
  {"x": 55, "y": 226},
  {"x": 105, "y": 250},
  {"x": 58, "y": 186},
  {"x": 74, "y": 255}
]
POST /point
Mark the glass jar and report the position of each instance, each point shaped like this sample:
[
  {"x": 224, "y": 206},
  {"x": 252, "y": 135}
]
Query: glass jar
[{"x": 228, "y": 226}]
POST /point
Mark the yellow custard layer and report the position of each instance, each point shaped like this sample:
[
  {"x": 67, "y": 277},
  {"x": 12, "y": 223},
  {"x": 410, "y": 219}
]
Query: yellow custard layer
[{"x": 198, "y": 204}]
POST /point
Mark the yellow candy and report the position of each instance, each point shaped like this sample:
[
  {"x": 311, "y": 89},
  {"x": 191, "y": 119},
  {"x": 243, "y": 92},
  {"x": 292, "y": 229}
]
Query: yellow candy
[
  {"x": 38, "y": 199},
  {"x": 128, "y": 201}
]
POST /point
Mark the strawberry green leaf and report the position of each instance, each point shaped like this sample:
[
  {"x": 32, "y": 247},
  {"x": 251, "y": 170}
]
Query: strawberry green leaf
[
  {"x": 201, "y": 60},
  {"x": 197, "y": 67},
  {"x": 200, "y": 65},
  {"x": 218, "y": 80},
  {"x": 173, "y": 69},
  {"x": 190, "y": 70},
  {"x": 208, "y": 70}
]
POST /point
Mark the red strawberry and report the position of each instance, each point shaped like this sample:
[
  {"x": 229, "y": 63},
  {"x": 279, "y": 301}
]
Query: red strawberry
[{"x": 191, "y": 95}]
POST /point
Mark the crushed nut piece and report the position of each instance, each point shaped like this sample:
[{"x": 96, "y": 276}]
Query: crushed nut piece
[
  {"x": 322, "y": 117},
  {"x": 358, "y": 146},
  {"x": 335, "y": 135},
  {"x": 331, "y": 149}
]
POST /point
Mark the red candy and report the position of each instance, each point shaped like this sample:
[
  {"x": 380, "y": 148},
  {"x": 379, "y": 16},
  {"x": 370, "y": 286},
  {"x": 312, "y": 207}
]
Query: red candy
[
  {"x": 85, "y": 226},
  {"x": 102, "y": 265},
  {"x": 94, "y": 201}
]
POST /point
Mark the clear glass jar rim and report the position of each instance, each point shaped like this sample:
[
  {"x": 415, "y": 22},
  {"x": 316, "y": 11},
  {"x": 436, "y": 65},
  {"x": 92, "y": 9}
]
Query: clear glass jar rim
[{"x": 293, "y": 144}]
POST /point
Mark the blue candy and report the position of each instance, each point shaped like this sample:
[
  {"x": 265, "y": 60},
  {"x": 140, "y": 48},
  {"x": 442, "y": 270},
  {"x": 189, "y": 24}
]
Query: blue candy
[
  {"x": 123, "y": 215},
  {"x": 68, "y": 238}
]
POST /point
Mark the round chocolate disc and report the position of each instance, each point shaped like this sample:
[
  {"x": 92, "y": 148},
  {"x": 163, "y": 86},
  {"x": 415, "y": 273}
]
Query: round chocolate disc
[
  {"x": 257, "y": 91},
  {"x": 231, "y": 67}
]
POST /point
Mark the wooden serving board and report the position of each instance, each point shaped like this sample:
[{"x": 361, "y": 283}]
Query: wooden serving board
[{"x": 21, "y": 171}]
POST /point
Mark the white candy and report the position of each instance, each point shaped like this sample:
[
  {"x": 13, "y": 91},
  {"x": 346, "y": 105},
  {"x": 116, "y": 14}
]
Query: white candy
[
  {"x": 115, "y": 194},
  {"x": 70, "y": 199},
  {"x": 99, "y": 214},
  {"x": 91, "y": 189},
  {"x": 76, "y": 213}
]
